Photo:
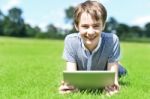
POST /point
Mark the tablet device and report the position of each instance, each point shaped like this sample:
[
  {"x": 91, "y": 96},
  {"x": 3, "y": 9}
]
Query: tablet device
[{"x": 89, "y": 79}]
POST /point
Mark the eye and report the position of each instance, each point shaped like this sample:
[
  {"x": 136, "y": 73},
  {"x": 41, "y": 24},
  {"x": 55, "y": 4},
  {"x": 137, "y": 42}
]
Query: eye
[
  {"x": 85, "y": 26},
  {"x": 96, "y": 26}
]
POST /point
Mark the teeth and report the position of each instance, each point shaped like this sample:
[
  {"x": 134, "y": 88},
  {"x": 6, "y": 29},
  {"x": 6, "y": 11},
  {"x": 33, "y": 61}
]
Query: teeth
[{"x": 91, "y": 38}]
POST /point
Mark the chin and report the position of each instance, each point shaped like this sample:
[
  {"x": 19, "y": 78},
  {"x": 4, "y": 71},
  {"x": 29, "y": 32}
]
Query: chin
[{"x": 89, "y": 42}]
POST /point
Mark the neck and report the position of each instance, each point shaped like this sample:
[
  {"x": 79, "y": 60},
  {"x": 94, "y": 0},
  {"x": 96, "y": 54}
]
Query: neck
[{"x": 91, "y": 47}]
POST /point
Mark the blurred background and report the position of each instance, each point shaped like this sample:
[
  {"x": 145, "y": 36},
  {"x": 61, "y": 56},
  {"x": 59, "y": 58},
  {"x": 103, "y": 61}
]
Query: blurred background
[
  {"x": 129, "y": 19},
  {"x": 31, "y": 47}
]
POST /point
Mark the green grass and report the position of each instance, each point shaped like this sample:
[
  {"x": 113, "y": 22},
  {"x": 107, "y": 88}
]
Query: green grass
[{"x": 32, "y": 69}]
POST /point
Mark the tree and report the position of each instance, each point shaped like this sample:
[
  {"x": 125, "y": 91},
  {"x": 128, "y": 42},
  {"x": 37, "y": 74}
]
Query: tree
[
  {"x": 31, "y": 32},
  {"x": 14, "y": 23},
  {"x": 136, "y": 31},
  {"x": 1, "y": 16},
  {"x": 69, "y": 13},
  {"x": 147, "y": 29},
  {"x": 1, "y": 22},
  {"x": 111, "y": 25},
  {"x": 52, "y": 31},
  {"x": 14, "y": 15},
  {"x": 123, "y": 30},
  {"x": 69, "y": 17}
]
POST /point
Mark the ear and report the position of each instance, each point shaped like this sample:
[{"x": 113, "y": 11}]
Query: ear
[{"x": 76, "y": 27}]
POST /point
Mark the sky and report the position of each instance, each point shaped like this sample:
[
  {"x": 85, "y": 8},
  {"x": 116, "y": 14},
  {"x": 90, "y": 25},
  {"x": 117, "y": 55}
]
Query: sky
[{"x": 43, "y": 12}]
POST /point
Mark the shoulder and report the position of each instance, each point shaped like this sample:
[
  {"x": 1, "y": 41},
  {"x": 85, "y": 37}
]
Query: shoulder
[
  {"x": 71, "y": 37},
  {"x": 72, "y": 40},
  {"x": 110, "y": 37}
]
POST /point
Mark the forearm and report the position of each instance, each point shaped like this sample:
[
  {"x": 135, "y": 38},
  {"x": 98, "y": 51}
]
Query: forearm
[
  {"x": 71, "y": 66},
  {"x": 114, "y": 67}
]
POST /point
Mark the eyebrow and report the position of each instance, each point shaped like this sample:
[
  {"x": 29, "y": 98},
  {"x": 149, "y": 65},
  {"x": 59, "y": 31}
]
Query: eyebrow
[{"x": 91, "y": 24}]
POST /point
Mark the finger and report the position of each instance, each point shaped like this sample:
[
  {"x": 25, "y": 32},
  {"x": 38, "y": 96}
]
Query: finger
[
  {"x": 67, "y": 91},
  {"x": 109, "y": 91},
  {"x": 69, "y": 86},
  {"x": 65, "y": 84},
  {"x": 65, "y": 88},
  {"x": 113, "y": 87},
  {"x": 109, "y": 88},
  {"x": 116, "y": 91},
  {"x": 75, "y": 90},
  {"x": 106, "y": 89},
  {"x": 116, "y": 87},
  {"x": 62, "y": 82},
  {"x": 106, "y": 92},
  {"x": 61, "y": 92}
]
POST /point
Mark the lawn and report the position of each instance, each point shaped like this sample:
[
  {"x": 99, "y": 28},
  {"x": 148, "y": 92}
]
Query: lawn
[{"x": 32, "y": 69}]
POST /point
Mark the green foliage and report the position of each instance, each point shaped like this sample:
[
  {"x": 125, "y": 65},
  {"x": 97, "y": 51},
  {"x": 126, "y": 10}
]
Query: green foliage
[
  {"x": 14, "y": 15},
  {"x": 123, "y": 30},
  {"x": 111, "y": 24},
  {"x": 137, "y": 31},
  {"x": 31, "y": 32},
  {"x": 32, "y": 69},
  {"x": 147, "y": 29},
  {"x": 13, "y": 25},
  {"x": 1, "y": 22},
  {"x": 69, "y": 13}
]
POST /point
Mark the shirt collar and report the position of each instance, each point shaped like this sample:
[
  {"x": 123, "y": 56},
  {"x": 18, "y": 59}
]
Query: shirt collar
[{"x": 97, "y": 47}]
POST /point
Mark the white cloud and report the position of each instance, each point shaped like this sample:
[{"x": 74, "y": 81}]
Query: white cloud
[
  {"x": 34, "y": 23},
  {"x": 31, "y": 22},
  {"x": 63, "y": 25},
  {"x": 43, "y": 26},
  {"x": 56, "y": 19},
  {"x": 141, "y": 21},
  {"x": 10, "y": 4}
]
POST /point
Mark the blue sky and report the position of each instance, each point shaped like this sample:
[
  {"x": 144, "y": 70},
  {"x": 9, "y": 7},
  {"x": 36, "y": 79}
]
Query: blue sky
[{"x": 44, "y": 12}]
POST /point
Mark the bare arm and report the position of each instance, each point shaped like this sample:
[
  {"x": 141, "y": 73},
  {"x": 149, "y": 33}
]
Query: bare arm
[
  {"x": 66, "y": 88},
  {"x": 110, "y": 90},
  {"x": 70, "y": 66},
  {"x": 114, "y": 67}
]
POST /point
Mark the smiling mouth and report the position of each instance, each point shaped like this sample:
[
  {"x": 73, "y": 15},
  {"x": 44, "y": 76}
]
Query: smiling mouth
[{"x": 90, "y": 38}]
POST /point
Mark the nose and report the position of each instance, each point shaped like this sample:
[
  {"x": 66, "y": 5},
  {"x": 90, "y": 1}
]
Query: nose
[{"x": 90, "y": 31}]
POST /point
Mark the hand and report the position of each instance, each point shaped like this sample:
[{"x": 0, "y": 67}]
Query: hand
[
  {"x": 66, "y": 88},
  {"x": 111, "y": 90}
]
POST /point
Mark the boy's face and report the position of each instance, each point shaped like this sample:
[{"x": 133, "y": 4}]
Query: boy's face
[{"x": 89, "y": 30}]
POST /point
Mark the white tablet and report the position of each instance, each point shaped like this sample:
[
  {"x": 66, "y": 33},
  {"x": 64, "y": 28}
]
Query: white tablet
[{"x": 89, "y": 79}]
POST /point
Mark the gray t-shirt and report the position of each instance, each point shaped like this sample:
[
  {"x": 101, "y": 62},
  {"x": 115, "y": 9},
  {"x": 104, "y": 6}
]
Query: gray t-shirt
[{"x": 107, "y": 51}]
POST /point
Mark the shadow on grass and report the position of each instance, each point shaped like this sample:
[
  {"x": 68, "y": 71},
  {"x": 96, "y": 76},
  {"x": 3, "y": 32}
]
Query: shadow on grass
[
  {"x": 92, "y": 91},
  {"x": 122, "y": 81}
]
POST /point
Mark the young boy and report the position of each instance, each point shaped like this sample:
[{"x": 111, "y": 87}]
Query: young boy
[{"x": 92, "y": 49}]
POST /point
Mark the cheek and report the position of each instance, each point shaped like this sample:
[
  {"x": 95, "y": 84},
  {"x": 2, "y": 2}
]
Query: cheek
[
  {"x": 82, "y": 32},
  {"x": 98, "y": 31},
  {"x": 83, "y": 35}
]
